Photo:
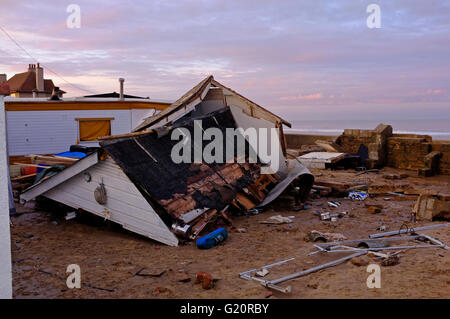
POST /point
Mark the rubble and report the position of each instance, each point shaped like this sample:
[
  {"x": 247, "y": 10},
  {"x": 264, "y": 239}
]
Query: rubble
[
  {"x": 355, "y": 195},
  {"x": 205, "y": 279},
  {"x": 390, "y": 261},
  {"x": 360, "y": 261},
  {"x": 315, "y": 236},
  {"x": 430, "y": 207},
  {"x": 358, "y": 248},
  {"x": 277, "y": 219}
]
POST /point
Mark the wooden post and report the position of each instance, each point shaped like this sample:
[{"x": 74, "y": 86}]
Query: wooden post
[{"x": 5, "y": 237}]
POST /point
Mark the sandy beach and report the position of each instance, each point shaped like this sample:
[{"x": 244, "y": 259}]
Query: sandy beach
[{"x": 44, "y": 244}]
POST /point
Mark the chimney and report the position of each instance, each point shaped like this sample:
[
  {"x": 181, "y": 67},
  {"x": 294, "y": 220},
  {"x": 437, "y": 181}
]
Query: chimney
[
  {"x": 3, "y": 78},
  {"x": 39, "y": 78},
  {"x": 55, "y": 94},
  {"x": 121, "y": 80}
]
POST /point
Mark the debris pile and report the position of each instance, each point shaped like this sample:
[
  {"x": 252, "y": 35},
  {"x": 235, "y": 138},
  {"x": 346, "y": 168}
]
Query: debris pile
[
  {"x": 373, "y": 247},
  {"x": 157, "y": 182},
  {"x": 27, "y": 170}
]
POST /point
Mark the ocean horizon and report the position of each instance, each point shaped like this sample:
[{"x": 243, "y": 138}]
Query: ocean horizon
[{"x": 438, "y": 129}]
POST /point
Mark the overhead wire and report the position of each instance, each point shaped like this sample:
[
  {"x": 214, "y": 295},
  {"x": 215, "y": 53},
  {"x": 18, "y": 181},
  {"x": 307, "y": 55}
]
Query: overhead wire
[{"x": 45, "y": 66}]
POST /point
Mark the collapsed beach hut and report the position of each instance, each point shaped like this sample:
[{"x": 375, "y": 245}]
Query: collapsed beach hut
[{"x": 134, "y": 181}]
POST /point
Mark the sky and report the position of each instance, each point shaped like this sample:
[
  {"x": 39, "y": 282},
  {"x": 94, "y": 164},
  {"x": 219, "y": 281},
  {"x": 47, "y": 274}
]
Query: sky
[{"x": 299, "y": 59}]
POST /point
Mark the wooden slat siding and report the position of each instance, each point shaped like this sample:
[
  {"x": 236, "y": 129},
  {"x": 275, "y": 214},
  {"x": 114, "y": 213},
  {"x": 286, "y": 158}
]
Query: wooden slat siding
[
  {"x": 130, "y": 209},
  {"x": 54, "y": 131},
  {"x": 124, "y": 201}
]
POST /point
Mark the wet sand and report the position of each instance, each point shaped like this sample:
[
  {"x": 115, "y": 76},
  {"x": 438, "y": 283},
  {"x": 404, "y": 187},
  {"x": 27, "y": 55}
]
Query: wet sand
[{"x": 44, "y": 244}]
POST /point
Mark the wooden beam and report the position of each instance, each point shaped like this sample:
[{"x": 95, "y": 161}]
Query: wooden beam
[
  {"x": 113, "y": 137},
  {"x": 22, "y": 178}
]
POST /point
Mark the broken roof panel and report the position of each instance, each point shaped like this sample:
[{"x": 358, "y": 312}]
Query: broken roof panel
[
  {"x": 196, "y": 96},
  {"x": 179, "y": 188}
]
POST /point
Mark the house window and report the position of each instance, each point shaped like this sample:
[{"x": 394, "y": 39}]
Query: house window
[{"x": 90, "y": 129}]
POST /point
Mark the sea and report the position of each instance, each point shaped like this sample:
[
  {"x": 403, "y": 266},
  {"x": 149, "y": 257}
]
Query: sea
[{"x": 439, "y": 129}]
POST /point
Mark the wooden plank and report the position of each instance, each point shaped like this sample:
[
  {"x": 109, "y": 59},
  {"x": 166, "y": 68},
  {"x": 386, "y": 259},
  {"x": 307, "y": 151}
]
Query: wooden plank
[
  {"x": 23, "y": 178},
  {"x": 94, "y": 118},
  {"x": 112, "y": 137},
  {"x": 245, "y": 201},
  {"x": 54, "y": 160},
  {"x": 34, "y": 165}
]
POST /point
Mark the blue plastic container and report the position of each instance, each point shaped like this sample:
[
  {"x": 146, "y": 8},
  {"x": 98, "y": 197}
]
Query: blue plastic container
[{"x": 212, "y": 239}]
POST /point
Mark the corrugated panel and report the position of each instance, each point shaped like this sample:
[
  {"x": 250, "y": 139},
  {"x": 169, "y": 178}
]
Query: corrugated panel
[{"x": 124, "y": 201}]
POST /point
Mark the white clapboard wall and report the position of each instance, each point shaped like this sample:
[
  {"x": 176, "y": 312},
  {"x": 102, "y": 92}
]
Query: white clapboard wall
[
  {"x": 125, "y": 203},
  {"x": 48, "y": 132}
]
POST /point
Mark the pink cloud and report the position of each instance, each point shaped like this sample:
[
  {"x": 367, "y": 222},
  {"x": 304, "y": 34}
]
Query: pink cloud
[
  {"x": 315, "y": 96},
  {"x": 434, "y": 92}
]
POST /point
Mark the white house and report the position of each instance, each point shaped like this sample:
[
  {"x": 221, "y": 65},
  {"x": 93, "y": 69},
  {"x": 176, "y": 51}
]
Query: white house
[{"x": 43, "y": 126}]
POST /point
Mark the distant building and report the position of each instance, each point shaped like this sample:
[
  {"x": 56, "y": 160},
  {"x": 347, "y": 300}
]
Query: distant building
[
  {"x": 32, "y": 84},
  {"x": 45, "y": 126}
]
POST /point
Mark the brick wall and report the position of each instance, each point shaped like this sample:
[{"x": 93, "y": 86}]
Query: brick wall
[
  {"x": 351, "y": 139},
  {"x": 444, "y": 148},
  {"x": 375, "y": 141},
  {"x": 407, "y": 152}
]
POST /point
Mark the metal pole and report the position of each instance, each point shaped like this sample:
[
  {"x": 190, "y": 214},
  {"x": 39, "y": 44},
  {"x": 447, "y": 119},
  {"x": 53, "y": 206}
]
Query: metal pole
[
  {"x": 266, "y": 266},
  {"x": 404, "y": 231},
  {"x": 366, "y": 240},
  {"x": 365, "y": 250},
  {"x": 437, "y": 242},
  {"x": 313, "y": 269}
]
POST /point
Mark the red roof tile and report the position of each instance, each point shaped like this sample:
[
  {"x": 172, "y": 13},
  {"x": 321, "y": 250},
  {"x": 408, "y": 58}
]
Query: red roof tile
[
  {"x": 4, "y": 88},
  {"x": 26, "y": 82}
]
